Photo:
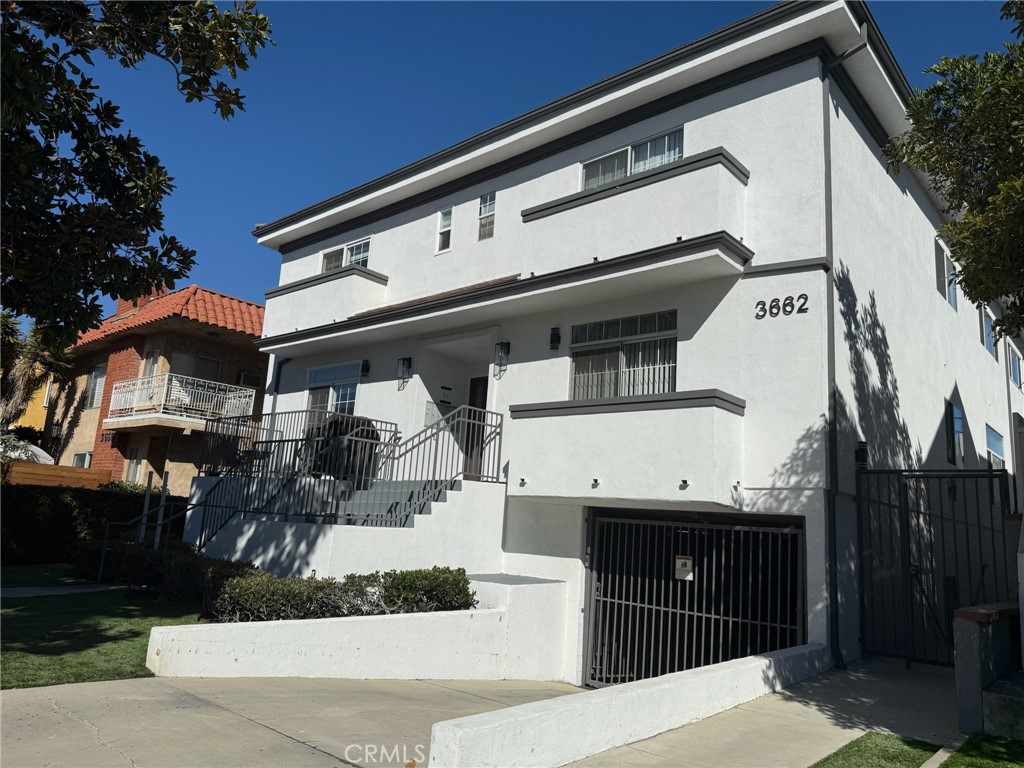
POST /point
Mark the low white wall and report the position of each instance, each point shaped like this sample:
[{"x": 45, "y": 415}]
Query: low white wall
[
  {"x": 517, "y": 636},
  {"x": 550, "y": 733}
]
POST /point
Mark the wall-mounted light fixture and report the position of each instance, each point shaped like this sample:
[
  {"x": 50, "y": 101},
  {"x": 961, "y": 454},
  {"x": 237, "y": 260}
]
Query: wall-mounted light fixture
[
  {"x": 555, "y": 338},
  {"x": 501, "y": 350},
  {"x": 404, "y": 368},
  {"x": 364, "y": 369}
]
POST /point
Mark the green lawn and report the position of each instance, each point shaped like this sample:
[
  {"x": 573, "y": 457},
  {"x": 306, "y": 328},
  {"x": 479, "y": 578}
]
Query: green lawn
[
  {"x": 80, "y": 638},
  {"x": 982, "y": 751},
  {"x": 49, "y": 575},
  {"x": 879, "y": 750}
]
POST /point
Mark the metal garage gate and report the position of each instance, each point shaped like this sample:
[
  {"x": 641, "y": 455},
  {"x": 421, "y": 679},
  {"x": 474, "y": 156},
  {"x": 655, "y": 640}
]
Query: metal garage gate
[
  {"x": 931, "y": 542},
  {"x": 670, "y": 595}
]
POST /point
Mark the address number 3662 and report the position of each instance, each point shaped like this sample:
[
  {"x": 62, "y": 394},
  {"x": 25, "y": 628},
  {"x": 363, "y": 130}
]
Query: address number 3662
[{"x": 786, "y": 306}]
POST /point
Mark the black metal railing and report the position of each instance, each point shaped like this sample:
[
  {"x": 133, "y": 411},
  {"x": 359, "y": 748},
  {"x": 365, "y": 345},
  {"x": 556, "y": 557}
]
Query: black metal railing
[{"x": 320, "y": 466}]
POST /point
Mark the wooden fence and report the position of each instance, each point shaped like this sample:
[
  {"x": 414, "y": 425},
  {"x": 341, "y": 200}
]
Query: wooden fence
[{"x": 30, "y": 473}]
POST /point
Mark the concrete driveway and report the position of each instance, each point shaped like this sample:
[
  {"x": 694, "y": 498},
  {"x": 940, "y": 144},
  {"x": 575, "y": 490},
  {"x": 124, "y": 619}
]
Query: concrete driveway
[{"x": 257, "y": 723}]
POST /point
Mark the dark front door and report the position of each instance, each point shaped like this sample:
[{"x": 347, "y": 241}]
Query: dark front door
[{"x": 475, "y": 426}]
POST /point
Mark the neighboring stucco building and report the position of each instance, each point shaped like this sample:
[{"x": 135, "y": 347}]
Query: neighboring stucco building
[
  {"x": 148, "y": 378},
  {"x": 685, "y": 294}
]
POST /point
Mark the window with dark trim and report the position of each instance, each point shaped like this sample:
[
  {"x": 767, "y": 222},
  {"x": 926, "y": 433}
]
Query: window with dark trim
[
  {"x": 636, "y": 158},
  {"x": 954, "y": 434},
  {"x": 627, "y": 356}
]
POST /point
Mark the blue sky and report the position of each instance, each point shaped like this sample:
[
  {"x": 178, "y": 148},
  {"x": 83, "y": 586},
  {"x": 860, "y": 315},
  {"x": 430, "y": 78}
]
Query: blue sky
[{"x": 354, "y": 90}]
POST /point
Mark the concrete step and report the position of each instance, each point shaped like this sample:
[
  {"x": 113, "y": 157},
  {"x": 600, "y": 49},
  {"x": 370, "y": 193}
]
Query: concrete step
[{"x": 1002, "y": 706}]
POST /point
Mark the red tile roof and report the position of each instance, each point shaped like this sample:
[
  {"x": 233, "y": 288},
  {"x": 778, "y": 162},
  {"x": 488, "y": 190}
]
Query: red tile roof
[{"x": 191, "y": 303}]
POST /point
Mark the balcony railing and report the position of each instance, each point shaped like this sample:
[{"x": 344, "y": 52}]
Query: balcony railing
[{"x": 174, "y": 395}]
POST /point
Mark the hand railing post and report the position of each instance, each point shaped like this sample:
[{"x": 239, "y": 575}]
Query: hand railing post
[
  {"x": 145, "y": 510},
  {"x": 160, "y": 510},
  {"x": 103, "y": 551}
]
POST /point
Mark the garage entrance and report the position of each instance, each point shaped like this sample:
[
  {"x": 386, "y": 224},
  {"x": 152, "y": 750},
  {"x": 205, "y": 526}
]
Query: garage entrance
[{"x": 668, "y": 595}]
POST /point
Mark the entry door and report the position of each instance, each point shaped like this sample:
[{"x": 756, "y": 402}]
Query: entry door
[{"x": 475, "y": 427}]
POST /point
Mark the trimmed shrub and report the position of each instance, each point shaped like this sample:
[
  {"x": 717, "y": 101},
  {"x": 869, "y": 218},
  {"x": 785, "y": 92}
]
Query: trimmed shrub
[
  {"x": 44, "y": 524},
  {"x": 261, "y": 596}
]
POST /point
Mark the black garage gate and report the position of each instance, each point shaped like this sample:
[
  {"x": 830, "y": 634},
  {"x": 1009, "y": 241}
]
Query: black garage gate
[{"x": 668, "y": 595}]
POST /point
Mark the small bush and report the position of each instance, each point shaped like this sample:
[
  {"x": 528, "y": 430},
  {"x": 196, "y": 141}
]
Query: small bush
[{"x": 261, "y": 596}]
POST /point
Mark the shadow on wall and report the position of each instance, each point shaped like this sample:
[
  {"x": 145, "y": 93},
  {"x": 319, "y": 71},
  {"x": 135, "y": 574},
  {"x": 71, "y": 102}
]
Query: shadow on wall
[
  {"x": 282, "y": 549},
  {"x": 63, "y": 418}
]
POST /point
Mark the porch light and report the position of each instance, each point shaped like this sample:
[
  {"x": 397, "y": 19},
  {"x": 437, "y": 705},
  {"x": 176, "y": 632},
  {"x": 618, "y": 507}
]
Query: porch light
[
  {"x": 555, "y": 339},
  {"x": 404, "y": 368},
  {"x": 501, "y": 350}
]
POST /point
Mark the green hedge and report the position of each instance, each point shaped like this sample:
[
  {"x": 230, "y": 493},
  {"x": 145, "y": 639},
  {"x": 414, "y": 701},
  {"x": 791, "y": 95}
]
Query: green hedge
[
  {"x": 260, "y": 596},
  {"x": 44, "y": 524}
]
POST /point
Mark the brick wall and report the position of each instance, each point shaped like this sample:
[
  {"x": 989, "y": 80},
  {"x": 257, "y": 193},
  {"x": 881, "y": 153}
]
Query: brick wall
[{"x": 122, "y": 364}]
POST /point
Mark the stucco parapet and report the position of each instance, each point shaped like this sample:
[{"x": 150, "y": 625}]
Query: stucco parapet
[
  {"x": 712, "y": 157},
  {"x": 326, "y": 277},
  {"x": 697, "y": 398}
]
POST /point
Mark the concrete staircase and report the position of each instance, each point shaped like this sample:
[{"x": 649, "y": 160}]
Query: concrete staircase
[
  {"x": 1003, "y": 706},
  {"x": 386, "y": 503}
]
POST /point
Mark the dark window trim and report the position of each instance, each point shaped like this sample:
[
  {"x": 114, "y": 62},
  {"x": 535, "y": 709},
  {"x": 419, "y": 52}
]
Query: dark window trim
[
  {"x": 722, "y": 240},
  {"x": 697, "y": 398},
  {"x": 326, "y": 277},
  {"x": 716, "y": 156}
]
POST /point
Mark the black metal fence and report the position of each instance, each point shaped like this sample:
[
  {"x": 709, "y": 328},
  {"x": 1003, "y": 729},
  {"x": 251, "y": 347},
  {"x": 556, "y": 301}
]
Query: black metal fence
[
  {"x": 931, "y": 542},
  {"x": 320, "y": 466},
  {"x": 668, "y": 596}
]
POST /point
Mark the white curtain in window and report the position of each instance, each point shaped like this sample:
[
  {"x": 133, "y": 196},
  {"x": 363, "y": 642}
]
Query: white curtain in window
[
  {"x": 605, "y": 170},
  {"x": 656, "y": 152}
]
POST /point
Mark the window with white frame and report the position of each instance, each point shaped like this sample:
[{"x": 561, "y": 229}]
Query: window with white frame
[
  {"x": 1014, "y": 362},
  {"x": 94, "y": 387},
  {"x": 444, "y": 230},
  {"x": 627, "y": 356},
  {"x": 636, "y": 158},
  {"x": 83, "y": 460},
  {"x": 133, "y": 470},
  {"x": 333, "y": 388},
  {"x": 988, "y": 333},
  {"x": 486, "y": 229},
  {"x": 357, "y": 253},
  {"x": 945, "y": 274},
  {"x": 996, "y": 452}
]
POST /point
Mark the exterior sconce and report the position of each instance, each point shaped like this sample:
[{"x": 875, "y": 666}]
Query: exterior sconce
[
  {"x": 555, "y": 339},
  {"x": 501, "y": 350},
  {"x": 595, "y": 482},
  {"x": 364, "y": 369},
  {"x": 404, "y": 368}
]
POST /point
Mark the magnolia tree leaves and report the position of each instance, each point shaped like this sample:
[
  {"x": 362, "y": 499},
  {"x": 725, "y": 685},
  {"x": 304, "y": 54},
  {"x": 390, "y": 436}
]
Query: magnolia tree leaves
[
  {"x": 968, "y": 137},
  {"x": 82, "y": 198}
]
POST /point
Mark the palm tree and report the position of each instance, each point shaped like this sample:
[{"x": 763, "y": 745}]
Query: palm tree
[{"x": 25, "y": 365}]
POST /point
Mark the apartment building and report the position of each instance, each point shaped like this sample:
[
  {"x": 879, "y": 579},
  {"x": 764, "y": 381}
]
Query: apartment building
[
  {"x": 150, "y": 376},
  {"x": 637, "y": 342}
]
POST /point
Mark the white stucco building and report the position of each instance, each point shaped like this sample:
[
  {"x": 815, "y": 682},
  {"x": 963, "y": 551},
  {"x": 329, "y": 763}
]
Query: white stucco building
[{"x": 680, "y": 297}]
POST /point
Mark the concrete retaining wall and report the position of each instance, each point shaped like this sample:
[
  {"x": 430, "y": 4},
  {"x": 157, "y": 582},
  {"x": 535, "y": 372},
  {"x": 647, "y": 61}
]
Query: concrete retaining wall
[
  {"x": 558, "y": 731},
  {"x": 516, "y": 634}
]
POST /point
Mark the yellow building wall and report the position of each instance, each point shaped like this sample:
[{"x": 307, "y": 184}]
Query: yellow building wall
[{"x": 35, "y": 414}]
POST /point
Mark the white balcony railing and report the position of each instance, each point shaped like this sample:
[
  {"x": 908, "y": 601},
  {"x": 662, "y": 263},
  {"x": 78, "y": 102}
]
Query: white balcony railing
[{"x": 174, "y": 395}]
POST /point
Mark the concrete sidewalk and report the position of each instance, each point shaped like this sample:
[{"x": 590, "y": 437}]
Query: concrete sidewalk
[
  {"x": 797, "y": 727},
  {"x": 278, "y": 722}
]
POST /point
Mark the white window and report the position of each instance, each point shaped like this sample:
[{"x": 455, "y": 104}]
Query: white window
[
  {"x": 1014, "y": 360},
  {"x": 333, "y": 388},
  {"x": 83, "y": 460},
  {"x": 49, "y": 392},
  {"x": 444, "y": 230},
  {"x": 628, "y": 356},
  {"x": 487, "y": 216},
  {"x": 988, "y": 334},
  {"x": 357, "y": 253},
  {"x": 945, "y": 274},
  {"x": 637, "y": 158},
  {"x": 994, "y": 443},
  {"x": 133, "y": 471},
  {"x": 94, "y": 387}
]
